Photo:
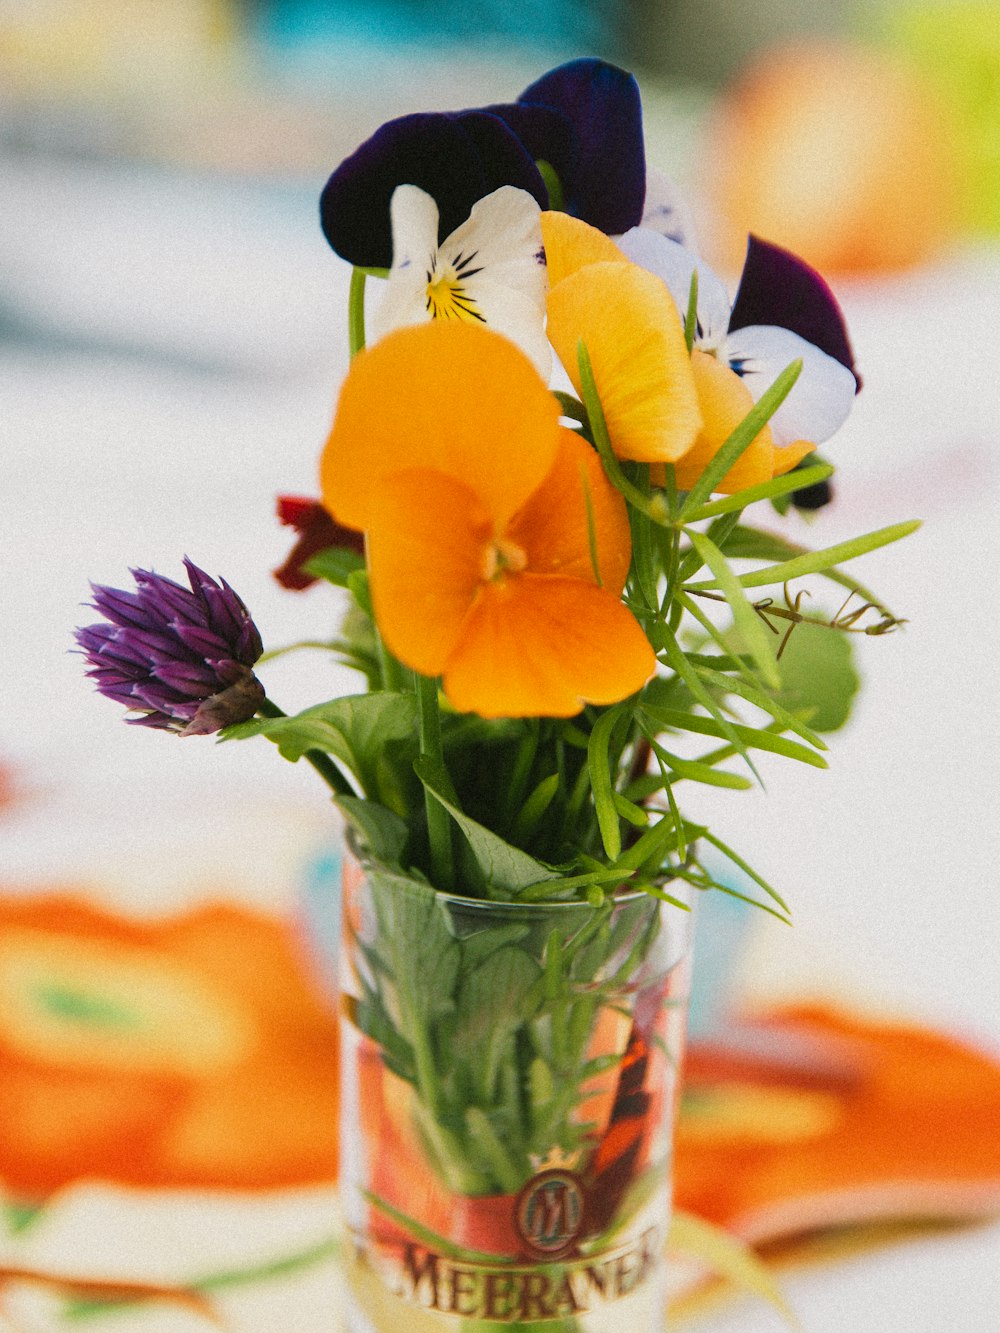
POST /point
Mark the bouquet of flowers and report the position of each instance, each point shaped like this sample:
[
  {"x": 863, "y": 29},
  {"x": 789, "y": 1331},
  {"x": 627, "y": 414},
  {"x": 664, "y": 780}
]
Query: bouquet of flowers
[{"x": 535, "y": 496}]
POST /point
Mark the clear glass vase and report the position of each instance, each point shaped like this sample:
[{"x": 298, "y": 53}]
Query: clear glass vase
[{"x": 509, "y": 1087}]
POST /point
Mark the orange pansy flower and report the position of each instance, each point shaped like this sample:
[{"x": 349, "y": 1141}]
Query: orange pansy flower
[
  {"x": 660, "y": 404},
  {"x": 480, "y": 512}
]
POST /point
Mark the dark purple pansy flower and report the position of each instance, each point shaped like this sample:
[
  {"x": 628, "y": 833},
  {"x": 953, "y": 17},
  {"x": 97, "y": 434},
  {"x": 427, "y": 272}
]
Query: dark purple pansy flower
[
  {"x": 180, "y": 657},
  {"x": 584, "y": 120},
  {"x": 604, "y": 180}
]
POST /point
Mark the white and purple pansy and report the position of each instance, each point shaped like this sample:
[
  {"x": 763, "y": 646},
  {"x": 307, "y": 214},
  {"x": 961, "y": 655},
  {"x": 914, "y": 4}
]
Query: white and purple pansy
[
  {"x": 490, "y": 270},
  {"x": 572, "y": 140},
  {"x": 783, "y": 312}
]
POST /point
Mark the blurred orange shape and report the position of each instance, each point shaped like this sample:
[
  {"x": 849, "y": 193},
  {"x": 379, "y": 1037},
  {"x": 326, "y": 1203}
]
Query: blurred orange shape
[
  {"x": 912, "y": 1134},
  {"x": 837, "y": 152},
  {"x": 185, "y": 1052}
]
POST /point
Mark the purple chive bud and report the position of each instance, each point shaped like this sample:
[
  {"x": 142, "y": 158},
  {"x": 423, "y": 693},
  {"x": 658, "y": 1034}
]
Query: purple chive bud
[{"x": 180, "y": 658}]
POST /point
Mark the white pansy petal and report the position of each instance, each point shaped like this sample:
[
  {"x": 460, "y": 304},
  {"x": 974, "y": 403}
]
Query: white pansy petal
[
  {"x": 821, "y": 397},
  {"x": 517, "y": 317},
  {"x": 403, "y": 302},
  {"x": 501, "y": 241},
  {"x": 414, "y": 216},
  {"x": 665, "y": 211},
  {"x": 674, "y": 265}
]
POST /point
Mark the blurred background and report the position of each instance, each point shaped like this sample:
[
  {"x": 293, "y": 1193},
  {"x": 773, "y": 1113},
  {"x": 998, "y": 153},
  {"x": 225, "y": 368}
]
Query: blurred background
[{"x": 172, "y": 335}]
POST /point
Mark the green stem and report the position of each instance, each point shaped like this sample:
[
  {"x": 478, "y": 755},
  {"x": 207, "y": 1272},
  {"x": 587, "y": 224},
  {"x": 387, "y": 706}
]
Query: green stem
[
  {"x": 432, "y": 750},
  {"x": 321, "y": 762},
  {"x": 356, "y": 312}
]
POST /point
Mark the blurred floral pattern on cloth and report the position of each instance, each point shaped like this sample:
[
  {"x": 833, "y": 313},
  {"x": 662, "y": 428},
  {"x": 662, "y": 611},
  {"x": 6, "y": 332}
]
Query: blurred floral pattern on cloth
[{"x": 197, "y": 1053}]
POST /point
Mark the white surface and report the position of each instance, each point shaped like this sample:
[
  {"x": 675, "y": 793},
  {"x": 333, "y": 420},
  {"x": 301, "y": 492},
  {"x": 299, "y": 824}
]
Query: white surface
[{"x": 216, "y": 325}]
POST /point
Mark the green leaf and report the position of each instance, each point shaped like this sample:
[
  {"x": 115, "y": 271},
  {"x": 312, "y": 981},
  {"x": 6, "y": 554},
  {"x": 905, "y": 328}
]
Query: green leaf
[
  {"x": 691, "y": 316},
  {"x": 802, "y": 698},
  {"x": 756, "y": 636},
  {"x": 741, "y": 439},
  {"x": 817, "y": 562},
  {"x": 731, "y": 1258},
  {"x": 336, "y": 564},
  {"x": 818, "y": 678},
  {"x": 602, "y": 783},
  {"x": 758, "y": 544},
  {"x": 499, "y": 865},
  {"x": 765, "y": 490},
  {"x": 534, "y": 808},
  {"x": 676, "y": 659},
  {"x": 747, "y": 869},
  {"x": 629, "y": 811},
  {"x": 753, "y": 737},
  {"x": 648, "y": 853},
  {"x": 698, "y": 772},
  {"x": 493, "y": 1003},
  {"x": 357, "y": 729},
  {"x": 381, "y": 833}
]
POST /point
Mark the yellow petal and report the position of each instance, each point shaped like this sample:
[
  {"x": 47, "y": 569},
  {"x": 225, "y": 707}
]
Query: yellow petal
[
  {"x": 553, "y": 527},
  {"x": 725, "y": 400},
  {"x": 443, "y": 396},
  {"x": 538, "y": 646},
  {"x": 425, "y": 554},
  {"x": 790, "y": 454},
  {"x": 571, "y": 244},
  {"x": 633, "y": 333}
]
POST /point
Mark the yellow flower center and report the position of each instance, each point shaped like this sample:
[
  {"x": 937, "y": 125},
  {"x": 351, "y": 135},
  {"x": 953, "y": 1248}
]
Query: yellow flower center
[
  {"x": 447, "y": 295},
  {"x": 447, "y": 298},
  {"x": 503, "y": 556}
]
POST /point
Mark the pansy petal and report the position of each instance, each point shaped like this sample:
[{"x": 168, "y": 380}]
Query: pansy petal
[
  {"x": 725, "y": 400},
  {"x": 607, "y": 188},
  {"x": 425, "y": 554},
  {"x": 441, "y": 396},
  {"x": 571, "y": 244},
  {"x": 665, "y": 210},
  {"x": 490, "y": 269},
  {"x": 502, "y": 241},
  {"x": 457, "y": 158},
  {"x": 516, "y": 316},
  {"x": 546, "y": 133},
  {"x": 675, "y": 265},
  {"x": 635, "y": 341},
  {"x": 822, "y": 396},
  {"x": 779, "y": 288},
  {"x": 402, "y": 303},
  {"x": 553, "y": 528},
  {"x": 415, "y": 223},
  {"x": 414, "y": 217},
  {"x": 537, "y": 646}
]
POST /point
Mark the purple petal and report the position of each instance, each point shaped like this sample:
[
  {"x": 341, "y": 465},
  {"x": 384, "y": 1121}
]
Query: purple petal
[
  {"x": 163, "y": 598},
  {"x": 456, "y": 157},
  {"x": 191, "y": 682},
  {"x": 546, "y": 133},
  {"x": 167, "y": 649},
  {"x": 602, "y": 104},
  {"x": 155, "y": 719},
  {"x": 779, "y": 288},
  {"x": 152, "y": 694},
  {"x": 202, "y": 642}
]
